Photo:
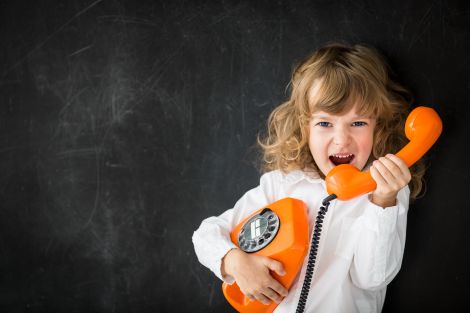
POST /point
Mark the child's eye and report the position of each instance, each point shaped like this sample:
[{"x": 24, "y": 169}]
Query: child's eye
[
  {"x": 359, "y": 123},
  {"x": 324, "y": 124}
]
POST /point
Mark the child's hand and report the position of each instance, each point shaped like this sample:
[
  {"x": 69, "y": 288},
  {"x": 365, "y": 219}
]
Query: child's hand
[
  {"x": 251, "y": 272},
  {"x": 391, "y": 174}
]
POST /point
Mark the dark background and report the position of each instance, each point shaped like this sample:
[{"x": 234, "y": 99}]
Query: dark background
[{"x": 124, "y": 124}]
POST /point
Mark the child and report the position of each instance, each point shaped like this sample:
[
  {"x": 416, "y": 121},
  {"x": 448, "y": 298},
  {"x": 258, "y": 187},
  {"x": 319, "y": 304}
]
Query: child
[{"x": 343, "y": 108}]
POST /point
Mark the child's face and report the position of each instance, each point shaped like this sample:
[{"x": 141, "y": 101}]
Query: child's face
[{"x": 343, "y": 138}]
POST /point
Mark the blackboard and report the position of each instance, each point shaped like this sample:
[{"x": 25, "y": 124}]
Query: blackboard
[{"x": 124, "y": 123}]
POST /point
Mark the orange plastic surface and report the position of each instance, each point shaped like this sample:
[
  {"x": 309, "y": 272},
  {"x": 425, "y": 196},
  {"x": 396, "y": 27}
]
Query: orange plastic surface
[
  {"x": 288, "y": 247},
  {"x": 423, "y": 126}
]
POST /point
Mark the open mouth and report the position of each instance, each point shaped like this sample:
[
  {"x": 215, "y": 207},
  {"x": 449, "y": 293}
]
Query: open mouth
[{"x": 338, "y": 159}]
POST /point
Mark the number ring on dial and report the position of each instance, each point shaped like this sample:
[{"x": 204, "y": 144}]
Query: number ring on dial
[{"x": 259, "y": 231}]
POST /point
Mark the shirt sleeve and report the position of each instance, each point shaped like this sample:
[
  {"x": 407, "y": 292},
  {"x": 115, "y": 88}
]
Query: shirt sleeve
[
  {"x": 212, "y": 239},
  {"x": 379, "y": 251}
]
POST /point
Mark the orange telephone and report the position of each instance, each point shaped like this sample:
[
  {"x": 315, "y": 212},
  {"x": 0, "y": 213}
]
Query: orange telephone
[{"x": 280, "y": 230}]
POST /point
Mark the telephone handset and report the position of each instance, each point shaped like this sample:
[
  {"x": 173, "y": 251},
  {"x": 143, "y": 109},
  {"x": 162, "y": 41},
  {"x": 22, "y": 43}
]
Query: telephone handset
[
  {"x": 423, "y": 126},
  {"x": 280, "y": 230}
]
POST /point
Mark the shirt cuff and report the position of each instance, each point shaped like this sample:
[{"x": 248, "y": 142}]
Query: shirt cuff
[
  {"x": 217, "y": 265},
  {"x": 381, "y": 219}
]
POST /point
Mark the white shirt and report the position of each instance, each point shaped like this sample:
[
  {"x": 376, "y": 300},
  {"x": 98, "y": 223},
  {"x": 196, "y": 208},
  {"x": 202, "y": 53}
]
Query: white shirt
[{"x": 360, "y": 251}]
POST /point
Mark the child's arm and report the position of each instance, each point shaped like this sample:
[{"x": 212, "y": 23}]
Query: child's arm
[
  {"x": 251, "y": 272},
  {"x": 378, "y": 256},
  {"x": 216, "y": 251}
]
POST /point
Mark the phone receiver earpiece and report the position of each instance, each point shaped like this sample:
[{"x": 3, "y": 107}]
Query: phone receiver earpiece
[{"x": 423, "y": 126}]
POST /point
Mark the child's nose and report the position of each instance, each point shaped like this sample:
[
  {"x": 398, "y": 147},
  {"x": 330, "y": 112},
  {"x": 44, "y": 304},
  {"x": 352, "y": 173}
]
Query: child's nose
[{"x": 341, "y": 137}]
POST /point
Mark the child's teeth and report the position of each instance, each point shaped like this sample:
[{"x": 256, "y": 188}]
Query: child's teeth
[{"x": 341, "y": 158}]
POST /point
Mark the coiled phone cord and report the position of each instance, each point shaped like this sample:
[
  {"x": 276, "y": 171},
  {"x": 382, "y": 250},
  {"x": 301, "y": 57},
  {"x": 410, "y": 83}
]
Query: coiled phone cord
[{"x": 313, "y": 253}]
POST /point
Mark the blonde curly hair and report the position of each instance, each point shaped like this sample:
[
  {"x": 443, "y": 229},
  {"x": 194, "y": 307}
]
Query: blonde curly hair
[{"x": 358, "y": 73}]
